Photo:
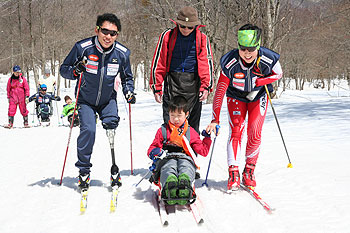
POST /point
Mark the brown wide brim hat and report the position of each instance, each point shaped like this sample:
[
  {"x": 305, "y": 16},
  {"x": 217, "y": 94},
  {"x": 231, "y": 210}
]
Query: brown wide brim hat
[{"x": 188, "y": 16}]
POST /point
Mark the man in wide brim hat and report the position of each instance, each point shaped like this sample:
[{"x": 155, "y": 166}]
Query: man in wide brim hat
[
  {"x": 183, "y": 62},
  {"x": 187, "y": 16}
]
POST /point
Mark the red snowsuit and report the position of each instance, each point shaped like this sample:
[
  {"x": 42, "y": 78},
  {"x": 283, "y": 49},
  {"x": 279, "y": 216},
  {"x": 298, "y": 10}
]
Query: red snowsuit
[{"x": 17, "y": 91}]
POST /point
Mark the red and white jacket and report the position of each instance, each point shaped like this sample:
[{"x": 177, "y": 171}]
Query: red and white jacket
[{"x": 162, "y": 59}]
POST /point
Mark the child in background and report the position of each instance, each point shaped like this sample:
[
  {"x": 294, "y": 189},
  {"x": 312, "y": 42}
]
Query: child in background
[
  {"x": 17, "y": 95},
  {"x": 42, "y": 101},
  {"x": 68, "y": 109},
  {"x": 175, "y": 173}
]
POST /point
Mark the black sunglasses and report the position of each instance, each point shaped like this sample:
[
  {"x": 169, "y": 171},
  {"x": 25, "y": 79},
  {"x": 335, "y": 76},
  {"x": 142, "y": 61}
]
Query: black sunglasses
[
  {"x": 182, "y": 26},
  {"x": 250, "y": 49},
  {"x": 109, "y": 32}
]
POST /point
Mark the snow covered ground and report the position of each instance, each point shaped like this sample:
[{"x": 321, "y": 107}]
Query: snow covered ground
[{"x": 313, "y": 196}]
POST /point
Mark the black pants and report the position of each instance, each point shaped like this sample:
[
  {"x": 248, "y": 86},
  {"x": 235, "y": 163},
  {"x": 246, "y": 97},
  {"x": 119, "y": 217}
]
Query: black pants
[{"x": 186, "y": 85}]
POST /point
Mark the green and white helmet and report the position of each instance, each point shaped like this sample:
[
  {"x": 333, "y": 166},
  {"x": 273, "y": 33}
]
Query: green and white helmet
[{"x": 249, "y": 38}]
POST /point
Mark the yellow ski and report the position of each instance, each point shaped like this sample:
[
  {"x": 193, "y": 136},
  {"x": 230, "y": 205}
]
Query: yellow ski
[
  {"x": 114, "y": 198},
  {"x": 83, "y": 201}
]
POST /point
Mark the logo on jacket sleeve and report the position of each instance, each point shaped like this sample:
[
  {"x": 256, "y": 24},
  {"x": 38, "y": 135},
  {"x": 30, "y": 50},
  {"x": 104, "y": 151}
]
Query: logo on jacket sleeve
[
  {"x": 266, "y": 59},
  {"x": 122, "y": 48},
  {"x": 228, "y": 65},
  {"x": 87, "y": 43}
]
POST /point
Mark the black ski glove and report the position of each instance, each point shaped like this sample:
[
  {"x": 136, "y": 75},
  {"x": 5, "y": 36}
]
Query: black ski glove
[
  {"x": 79, "y": 67},
  {"x": 130, "y": 97}
]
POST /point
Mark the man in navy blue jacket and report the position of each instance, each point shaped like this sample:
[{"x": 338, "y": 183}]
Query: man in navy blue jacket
[{"x": 99, "y": 59}]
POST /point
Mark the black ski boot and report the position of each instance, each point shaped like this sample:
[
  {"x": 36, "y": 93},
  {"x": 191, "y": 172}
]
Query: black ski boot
[
  {"x": 115, "y": 176},
  {"x": 10, "y": 124},
  {"x": 25, "y": 122},
  {"x": 84, "y": 181}
]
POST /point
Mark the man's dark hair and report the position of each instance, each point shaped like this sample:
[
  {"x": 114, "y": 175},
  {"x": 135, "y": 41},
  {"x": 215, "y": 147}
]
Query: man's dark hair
[
  {"x": 178, "y": 103},
  {"x": 249, "y": 26},
  {"x": 110, "y": 18}
]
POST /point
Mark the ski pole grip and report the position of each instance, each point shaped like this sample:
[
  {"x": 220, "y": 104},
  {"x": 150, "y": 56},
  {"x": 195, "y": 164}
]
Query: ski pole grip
[{"x": 217, "y": 127}]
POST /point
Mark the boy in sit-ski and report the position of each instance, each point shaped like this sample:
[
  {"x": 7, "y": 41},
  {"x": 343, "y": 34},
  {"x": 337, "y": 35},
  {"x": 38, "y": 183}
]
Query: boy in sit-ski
[
  {"x": 43, "y": 101},
  {"x": 175, "y": 173}
]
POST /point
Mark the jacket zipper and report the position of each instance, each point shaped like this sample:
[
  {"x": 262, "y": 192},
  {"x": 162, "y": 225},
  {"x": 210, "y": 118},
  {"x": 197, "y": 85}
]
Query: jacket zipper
[
  {"x": 249, "y": 80},
  {"x": 101, "y": 79}
]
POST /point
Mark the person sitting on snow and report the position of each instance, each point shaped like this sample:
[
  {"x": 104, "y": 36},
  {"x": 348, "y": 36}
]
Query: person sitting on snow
[
  {"x": 68, "y": 110},
  {"x": 42, "y": 101},
  {"x": 175, "y": 173}
]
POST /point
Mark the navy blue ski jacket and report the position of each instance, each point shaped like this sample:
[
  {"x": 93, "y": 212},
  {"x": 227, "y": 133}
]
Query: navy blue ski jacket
[
  {"x": 98, "y": 82},
  {"x": 244, "y": 80}
]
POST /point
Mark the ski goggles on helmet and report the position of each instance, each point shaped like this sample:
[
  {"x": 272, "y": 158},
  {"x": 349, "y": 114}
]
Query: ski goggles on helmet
[
  {"x": 108, "y": 32},
  {"x": 248, "y": 39}
]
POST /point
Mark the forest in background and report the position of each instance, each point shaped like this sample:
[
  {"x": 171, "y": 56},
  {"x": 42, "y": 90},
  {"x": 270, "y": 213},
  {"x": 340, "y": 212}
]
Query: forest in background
[{"x": 312, "y": 36}]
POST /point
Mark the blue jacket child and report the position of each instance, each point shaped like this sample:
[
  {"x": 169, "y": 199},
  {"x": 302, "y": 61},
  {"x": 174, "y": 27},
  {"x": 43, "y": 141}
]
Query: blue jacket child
[{"x": 43, "y": 102}]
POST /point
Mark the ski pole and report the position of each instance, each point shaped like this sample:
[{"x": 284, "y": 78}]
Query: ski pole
[
  {"x": 132, "y": 172},
  {"x": 211, "y": 155},
  {"x": 58, "y": 117},
  {"x": 135, "y": 185},
  {"x": 34, "y": 113},
  {"x": 279, "y": 128},
  {"x": 152, "y": 167},
  {"x": 71, "y": 126}
]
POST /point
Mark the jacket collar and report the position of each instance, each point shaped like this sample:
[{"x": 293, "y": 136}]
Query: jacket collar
[{"x": 100, "y": 48}]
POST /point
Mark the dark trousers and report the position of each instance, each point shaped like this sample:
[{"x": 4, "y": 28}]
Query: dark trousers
[
  {"x": 87, "y": 115},
  {"x": 186, "y": 85}
]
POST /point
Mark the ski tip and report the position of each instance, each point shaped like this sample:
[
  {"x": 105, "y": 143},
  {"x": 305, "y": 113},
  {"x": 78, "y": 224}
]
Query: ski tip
[
  {"x": 271, "y": 210},
  {"x": 232, "y": 191},
  {"x": 82, "y": 209}
]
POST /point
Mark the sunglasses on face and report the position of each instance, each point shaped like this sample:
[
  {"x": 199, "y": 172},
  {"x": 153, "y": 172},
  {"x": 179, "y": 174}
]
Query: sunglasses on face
[
  {"x": 250, "y": 49},
  {"x": 182, "y": 26},
  {"x": 109, "y": 32}
]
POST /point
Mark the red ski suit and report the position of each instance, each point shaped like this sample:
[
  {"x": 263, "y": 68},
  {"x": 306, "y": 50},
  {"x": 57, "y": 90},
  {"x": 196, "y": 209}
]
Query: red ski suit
[
  {"x": 237, "y": 82},
  {"x": 17, "y": 91}
]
